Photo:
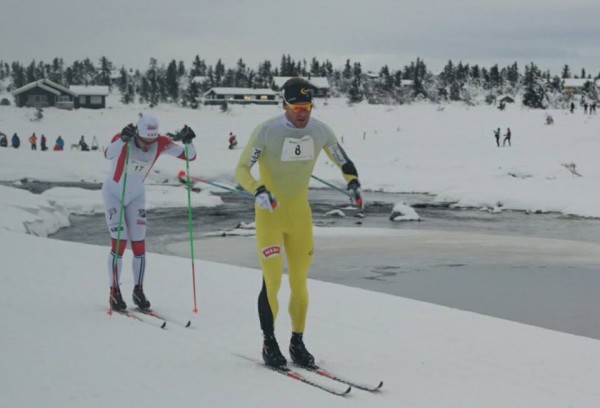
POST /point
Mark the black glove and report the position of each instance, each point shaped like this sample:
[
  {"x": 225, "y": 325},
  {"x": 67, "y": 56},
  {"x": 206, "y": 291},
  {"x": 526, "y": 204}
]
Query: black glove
[
  {"x": 187, "y": 134},
  {"x": 128, "y": 133},
  {"x": 355, "y": 194}
]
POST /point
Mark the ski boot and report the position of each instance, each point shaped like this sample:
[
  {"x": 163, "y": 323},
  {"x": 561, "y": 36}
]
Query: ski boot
[
  {"x": 298, "y": 352},
  {"x": 139, "y": 298},
  {"x": 116, "y": 299},
  {"x": 271, "y": 354}
]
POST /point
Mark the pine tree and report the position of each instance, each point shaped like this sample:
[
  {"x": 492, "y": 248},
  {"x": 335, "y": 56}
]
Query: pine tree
[
  {"x": 193, "y": 95},
  {"x": 534, "y": 96},
  {"x": 30, "y": 73},
  {"x": 219, "y": 73},
  {"x": 105, "y": 72},
  {"x": 355, "y": 92},
  {"x": 512, "y": 74},
  {"x": 241, "y": 75},
  {"x": 56, "y": 71},
  {"x": 566, "y": 72},
  {"x": 198, "y": 67},
  {"x": 172, "y": 82},
  {"x": 264, "y": 76},
  {"x": 495, "y": 77},
  {"x": 18, "y": 75},
  {"x": 589, "y": 90},
  {"x": 152, "y": 78}
]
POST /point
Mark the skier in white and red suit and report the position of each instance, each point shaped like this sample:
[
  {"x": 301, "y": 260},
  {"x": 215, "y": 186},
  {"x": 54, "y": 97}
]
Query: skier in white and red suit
[{"x": 145, "y": 146}]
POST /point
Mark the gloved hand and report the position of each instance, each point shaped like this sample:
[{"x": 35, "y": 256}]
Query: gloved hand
[
  {"x": 187, "y": 134},
  {"x": 265, "y": 199},
  {"x": 356, "y": 194},
  {"x": 128, "y": 133}
]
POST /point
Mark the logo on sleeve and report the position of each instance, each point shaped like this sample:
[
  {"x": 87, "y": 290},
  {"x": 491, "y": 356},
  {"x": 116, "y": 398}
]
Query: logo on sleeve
[{"x": 272, "y": 251}]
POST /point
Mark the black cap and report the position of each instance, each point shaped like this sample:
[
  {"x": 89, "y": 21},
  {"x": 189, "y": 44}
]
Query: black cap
[{"x": 297, "y": 90}]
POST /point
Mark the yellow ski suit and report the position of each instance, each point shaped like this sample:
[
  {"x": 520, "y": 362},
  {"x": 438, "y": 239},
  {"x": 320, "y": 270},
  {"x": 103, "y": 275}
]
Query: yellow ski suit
[{"x": 286, "y": 156}]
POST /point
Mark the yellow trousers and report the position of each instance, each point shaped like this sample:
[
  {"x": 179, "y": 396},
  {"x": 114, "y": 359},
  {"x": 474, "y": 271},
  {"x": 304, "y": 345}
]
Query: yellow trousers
[{"x": 288, "y": 229}]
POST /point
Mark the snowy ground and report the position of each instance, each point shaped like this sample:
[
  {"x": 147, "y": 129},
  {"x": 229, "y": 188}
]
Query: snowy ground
[{"x": 60, "y": 349}]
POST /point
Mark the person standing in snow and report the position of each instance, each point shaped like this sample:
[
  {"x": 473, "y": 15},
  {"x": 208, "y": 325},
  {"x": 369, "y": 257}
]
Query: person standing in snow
[
  {"x": 15, "y": 141},
  {"x": 60, "y": 144},
  {"x": 286, "y": 148},
  {"x": 43, "y": 142},
  {"x": 507, "y": 137},
  {"x": 497, "y": 136},
  {"x": 33, "y": 141},
  {"x": 232, "y": 141},
  {"x": 145, "y": 146}
]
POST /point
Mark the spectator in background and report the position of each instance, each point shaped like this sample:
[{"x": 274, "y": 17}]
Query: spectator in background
[
  {"x": 84, "y": 146},
  {"x": 16, "y": 142},
  {"x": 59, "y": 145},
  {"x": 43, "y": 143},
  {"x": 507, "y": 137},
  {"x": 232, "y": 141},
  {"x": 33, "y": 141},
  {"x": 497, "y": 136},
  {"x": 3, "y": 140}
]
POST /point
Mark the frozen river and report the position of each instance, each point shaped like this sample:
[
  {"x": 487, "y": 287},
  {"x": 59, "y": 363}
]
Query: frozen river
[{"x": 539, "y": 269}]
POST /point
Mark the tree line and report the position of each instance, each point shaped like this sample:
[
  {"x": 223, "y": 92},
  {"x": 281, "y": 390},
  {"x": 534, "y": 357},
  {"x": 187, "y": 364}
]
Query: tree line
[{"x": 174, "y": 82}]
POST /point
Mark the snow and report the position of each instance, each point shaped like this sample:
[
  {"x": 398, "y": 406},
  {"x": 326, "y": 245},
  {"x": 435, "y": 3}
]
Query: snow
[
  {"x": 59, "y": 348},
  {"x": 404, "y": 212}
]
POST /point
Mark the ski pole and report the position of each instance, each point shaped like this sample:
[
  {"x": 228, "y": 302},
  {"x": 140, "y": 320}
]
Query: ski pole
[
  {"x": 331, "y": 185},
  {"x": 360, "y": 212},
  {"x": 212, "y": 183},
  {"x": 189, "y": 189},
  {"x": 119, "y": 228}
]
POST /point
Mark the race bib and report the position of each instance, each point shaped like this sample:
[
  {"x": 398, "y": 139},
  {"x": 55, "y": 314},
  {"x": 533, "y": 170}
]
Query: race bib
[
  {"x": 298, "y": 149},
  {"x": 138, "y": 167}
]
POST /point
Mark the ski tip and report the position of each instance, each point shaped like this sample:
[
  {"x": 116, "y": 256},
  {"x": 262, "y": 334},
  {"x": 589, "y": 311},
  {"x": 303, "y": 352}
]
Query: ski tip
[
  {"x": 379, "y": 386},
  {"x": 359, "y": 215},
  {"x": 189, "y": 323},
  {"x": 347, "y": 391},
  {"x": 162, "y": 326}
]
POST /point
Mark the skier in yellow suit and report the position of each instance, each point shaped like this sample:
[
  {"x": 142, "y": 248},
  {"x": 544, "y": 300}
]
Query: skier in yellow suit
[{"x": 286, "y": 149}]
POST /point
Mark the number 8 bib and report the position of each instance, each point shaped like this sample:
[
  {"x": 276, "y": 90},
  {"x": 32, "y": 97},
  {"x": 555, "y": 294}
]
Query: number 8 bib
[{"x": 298, "y": 149}]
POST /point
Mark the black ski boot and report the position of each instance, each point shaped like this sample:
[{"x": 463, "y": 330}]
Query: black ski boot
[
  {"x": 298, "y": 352},
  {"x": 271, "y": 354},
  {"x": 116, "y": 300},
  {"x": 139, "y": 298}
]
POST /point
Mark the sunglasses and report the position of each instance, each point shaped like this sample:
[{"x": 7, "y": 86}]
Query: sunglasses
[{"x": 299, "y": 108}]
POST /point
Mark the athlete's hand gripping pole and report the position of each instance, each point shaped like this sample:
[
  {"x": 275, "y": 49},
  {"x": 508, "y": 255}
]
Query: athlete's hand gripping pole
[{"x": 265, "y": 199}]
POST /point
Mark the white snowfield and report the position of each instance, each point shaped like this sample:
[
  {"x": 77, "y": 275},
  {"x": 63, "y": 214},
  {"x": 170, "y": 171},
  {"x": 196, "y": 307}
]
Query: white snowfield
[{"x": 59, "y": 348}]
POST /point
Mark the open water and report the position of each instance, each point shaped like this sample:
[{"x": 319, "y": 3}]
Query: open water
[{"x": 538, "y": 269}]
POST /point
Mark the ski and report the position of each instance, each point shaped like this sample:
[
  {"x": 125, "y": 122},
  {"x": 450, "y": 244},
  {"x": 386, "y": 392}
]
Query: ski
[
  {"x": 163, "y": 318},
  {"x": 132, "y": 315},
  {"x": 354, "y": 384},
  {"x": 295, "y": 375}
]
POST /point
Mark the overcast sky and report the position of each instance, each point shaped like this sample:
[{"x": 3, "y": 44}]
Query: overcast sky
[{"x": 550, "y": 33}]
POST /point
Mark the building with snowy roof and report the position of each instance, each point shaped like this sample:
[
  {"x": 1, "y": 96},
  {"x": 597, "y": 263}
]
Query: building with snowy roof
[
  {"x": 44, "y": 93},
  {"x": 260, "y": 96}
]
